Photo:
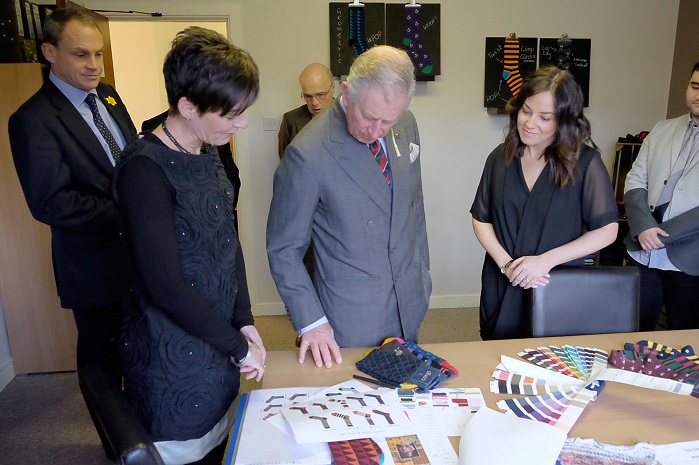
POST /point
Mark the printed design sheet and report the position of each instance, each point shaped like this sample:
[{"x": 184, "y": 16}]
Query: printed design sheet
[{"x": 346, "y": 411}]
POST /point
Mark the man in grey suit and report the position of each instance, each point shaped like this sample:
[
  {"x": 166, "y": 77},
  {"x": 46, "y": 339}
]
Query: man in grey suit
[
  {"x": 317, "y": 90},
  {"x": 661, "y": 197},
  {"x": 351, "y": 182}
]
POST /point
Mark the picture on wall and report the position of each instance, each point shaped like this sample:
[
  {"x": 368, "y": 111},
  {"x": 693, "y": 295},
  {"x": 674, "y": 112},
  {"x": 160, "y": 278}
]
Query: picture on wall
[
  {"x": 569, "y": 54},
  {"x": 353, "y": 29},
  {"x": 508, "y": 60},
  {"x": 416, "y": 29}
]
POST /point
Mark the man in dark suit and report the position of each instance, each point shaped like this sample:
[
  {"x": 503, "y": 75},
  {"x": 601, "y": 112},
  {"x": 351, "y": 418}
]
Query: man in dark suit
[
  {"x": 64, "y": 155},
  {"x": 351, "y": 182},
  {"x": 317, "y": 90}
]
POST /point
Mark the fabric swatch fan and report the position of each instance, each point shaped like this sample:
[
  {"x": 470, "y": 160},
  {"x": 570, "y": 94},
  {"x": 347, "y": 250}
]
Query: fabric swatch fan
[{"x": 559, "y": 382}]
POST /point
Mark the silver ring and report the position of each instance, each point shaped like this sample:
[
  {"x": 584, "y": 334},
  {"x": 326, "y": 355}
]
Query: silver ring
[
  {"x": 526, "y": 280},
  {"x": 264, "y": 366}
]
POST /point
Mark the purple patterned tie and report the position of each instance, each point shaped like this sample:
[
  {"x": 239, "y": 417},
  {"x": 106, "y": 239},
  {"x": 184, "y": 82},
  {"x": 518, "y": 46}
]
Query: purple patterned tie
[
  {"x": 91, "y": 101},
  {"x": 380, "y": 156}
]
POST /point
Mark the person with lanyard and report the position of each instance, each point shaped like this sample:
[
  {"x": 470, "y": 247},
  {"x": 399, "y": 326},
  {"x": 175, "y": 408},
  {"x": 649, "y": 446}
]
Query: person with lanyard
[
  {"x": 351, "y": 182},
  {"x": 661, "y": 197},
  {"x": 65, "y": 141},
  {"x": 188, "y": 330}
]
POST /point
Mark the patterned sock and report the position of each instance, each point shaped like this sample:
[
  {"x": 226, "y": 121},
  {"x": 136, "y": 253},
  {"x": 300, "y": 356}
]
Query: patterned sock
[
  {"x": 412, "y": 25},
  {"x": 357, "y": 38},
  {"x": 511, "y": 64},
  {"x": 564, "y": 54},
  {"x": 668, "y": 352}
]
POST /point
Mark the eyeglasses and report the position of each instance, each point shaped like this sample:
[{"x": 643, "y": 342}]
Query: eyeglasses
[{"x": 319, "y": 96}]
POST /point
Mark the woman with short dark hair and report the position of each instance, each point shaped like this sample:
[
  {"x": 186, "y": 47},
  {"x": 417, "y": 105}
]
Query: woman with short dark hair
[
  {"x": 544, "y": 199},
  {"x": 188, "y": 329}
]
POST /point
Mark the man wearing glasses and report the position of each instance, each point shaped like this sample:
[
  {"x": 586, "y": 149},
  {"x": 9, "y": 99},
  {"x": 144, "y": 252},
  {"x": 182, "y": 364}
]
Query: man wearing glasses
[{"x": 317, "y": 90}]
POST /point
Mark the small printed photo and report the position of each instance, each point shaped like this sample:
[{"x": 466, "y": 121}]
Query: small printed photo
[{"x": 407, "y": 450}]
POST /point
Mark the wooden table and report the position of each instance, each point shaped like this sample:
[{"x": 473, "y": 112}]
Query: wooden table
[{"x": 622, "y": 414}]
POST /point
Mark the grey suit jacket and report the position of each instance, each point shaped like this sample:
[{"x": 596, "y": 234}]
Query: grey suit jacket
[
  {"x": 645, "y": 183},
  {"x": 371, "y": 276}
]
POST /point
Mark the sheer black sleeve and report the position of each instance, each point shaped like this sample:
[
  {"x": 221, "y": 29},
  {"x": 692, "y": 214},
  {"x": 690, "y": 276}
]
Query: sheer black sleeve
[{"x": 598, "y": 201}]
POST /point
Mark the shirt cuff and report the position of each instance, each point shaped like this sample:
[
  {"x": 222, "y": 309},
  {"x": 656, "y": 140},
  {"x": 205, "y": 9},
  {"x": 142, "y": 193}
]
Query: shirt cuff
[{"x": 306, "y": 329}]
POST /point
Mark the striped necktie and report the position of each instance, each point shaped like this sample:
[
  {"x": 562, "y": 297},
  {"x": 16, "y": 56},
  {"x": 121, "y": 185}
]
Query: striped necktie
[
  {"x": 381, "y": 159},
  {"x": 91, "y": 101}
]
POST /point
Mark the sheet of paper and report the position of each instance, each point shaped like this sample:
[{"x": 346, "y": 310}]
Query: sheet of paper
[
  {"x": 678, "y": 453},
  {"x": 341, "y": 413},
  {"x": 258, "y": 432},
  {"x": 449, "y": 408},
  {"x": 645, "y": 381},
  {"x": 493, "y": 438}
]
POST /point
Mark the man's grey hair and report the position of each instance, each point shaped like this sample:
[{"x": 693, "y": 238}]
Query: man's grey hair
[{"x": 382, "y": 67}]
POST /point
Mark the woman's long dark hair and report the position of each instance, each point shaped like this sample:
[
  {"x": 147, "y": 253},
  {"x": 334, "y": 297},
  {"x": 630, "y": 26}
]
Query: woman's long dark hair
[{"x": 573, "y": 127}]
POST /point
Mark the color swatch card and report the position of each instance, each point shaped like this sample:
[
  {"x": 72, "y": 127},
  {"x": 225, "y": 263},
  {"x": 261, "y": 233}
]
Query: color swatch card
[{"x": 559, "y": 382}]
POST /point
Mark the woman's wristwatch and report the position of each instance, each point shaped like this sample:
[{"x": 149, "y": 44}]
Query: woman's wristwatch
[
  {"x": 506, "y": 266},
  {"x": 239, "y": 363}
]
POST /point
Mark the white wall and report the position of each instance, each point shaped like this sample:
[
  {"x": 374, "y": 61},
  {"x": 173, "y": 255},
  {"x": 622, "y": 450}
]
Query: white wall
[
  {"x": 632, "y": 48},
  {"x": 144, "y": 91}
]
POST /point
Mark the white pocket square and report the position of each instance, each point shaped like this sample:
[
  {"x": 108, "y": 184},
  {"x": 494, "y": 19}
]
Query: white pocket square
[{"x": 414, "y": 150}]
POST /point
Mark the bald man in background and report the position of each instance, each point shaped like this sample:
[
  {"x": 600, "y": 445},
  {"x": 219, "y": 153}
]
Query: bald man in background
[{"x": 317, "y": 90}]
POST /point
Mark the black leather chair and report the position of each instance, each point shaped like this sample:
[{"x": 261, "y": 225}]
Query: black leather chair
[
  {"x": 127, "y": 437},
  {"x": 585, "y": 300}
]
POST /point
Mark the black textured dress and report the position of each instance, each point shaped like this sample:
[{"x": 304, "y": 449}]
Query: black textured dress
[{"x": 190, "y": 298}]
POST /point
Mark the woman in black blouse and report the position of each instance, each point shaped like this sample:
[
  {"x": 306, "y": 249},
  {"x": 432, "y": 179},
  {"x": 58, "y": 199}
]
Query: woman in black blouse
[
  {"x": 544, "y": 199},
  {"x": 188, "y": 329}
]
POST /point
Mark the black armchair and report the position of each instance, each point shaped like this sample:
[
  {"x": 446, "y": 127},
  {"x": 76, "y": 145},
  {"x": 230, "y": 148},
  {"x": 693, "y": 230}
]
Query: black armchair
[
  {"x": 585, "y": 300},
  {"x": 128, "y": 439}
]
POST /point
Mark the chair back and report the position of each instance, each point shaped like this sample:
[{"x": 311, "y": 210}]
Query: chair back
[
  {"x": 128, "y": 439},
  {"x": 585, "y": 300}
]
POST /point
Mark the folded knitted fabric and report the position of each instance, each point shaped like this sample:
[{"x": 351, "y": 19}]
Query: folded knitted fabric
[
  {"x": 395, "y": 364},
  {"x": 659, "y": 360},
  {"x": 356, "y": 452}
]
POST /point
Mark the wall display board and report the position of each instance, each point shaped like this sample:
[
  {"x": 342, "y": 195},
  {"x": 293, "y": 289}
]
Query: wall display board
[
  {"x": 569, "y": 54},
  {"x": 508, "y": 60},
  {"x": 353, "y": 29},
  {"x": 415, "y": 28}
]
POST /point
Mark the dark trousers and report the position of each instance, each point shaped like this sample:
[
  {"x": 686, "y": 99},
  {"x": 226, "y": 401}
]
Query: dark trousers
[
  {"x": 99, "y": 330},
  {"x": 678, "y": 291}
]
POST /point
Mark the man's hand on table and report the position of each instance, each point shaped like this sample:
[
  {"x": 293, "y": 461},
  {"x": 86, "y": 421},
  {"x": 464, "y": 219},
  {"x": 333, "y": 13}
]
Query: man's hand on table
[{"x": 321, "y": 341}]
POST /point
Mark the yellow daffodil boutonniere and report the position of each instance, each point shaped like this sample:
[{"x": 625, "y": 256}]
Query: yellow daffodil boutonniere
[{"x": 111, "y": 101}]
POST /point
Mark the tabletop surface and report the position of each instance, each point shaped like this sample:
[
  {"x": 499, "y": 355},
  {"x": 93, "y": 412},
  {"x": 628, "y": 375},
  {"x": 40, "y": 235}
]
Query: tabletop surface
[{"x": 622, "y": 414}]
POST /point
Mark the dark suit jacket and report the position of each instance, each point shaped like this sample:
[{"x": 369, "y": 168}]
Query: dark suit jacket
[
  {"x": 66, "y": 178},
  {"x": 292, "y": 123}
]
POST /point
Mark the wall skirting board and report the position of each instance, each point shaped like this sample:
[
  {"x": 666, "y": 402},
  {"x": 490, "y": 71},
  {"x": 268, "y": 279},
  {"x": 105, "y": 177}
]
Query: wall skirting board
[
  {"x": 7, "y": 374},
  {"x": 437, "y": 301}
]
